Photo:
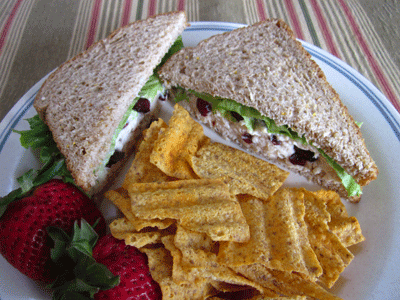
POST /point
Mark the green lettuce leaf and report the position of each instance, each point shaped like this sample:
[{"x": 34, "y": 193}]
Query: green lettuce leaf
[
  {"x": 176, "y": 46},
  {"x": 151, "y": 88},
  {"x": 352, "y": 187},
  {"x": 251, "y": 115}
]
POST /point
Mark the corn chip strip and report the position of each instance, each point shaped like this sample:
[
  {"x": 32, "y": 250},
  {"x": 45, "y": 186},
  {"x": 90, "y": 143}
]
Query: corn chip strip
[
  {"x": 187, "y": 239},
  {"x": 141, "y": 169},
  {"x": 203, "y": 205},
  {"x": 124, "y": 204},
  {"x": 278, "y": 233},
  {"x": 160, "y": 262},
  {"x": 124, "y": 230},
  {"x": 201, "y": 263},
  {"x": 177, "y": 144},
  {"x": 248, "y": 174},
  {"x": 331, "y": 253},
  {"x": 185, "y": 276},
  {"x": 284, "y": 283},
  {"x": 346, "y": 228},
  {"x": 160, "y": 265},
  {"x": 263, "y": 297}
]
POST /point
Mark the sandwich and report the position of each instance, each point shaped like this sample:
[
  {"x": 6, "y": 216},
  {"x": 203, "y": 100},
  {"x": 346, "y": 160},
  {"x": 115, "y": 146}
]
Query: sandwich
[
  {"x": 259, "y": 88},
  {"x": 96, "y": 104}
]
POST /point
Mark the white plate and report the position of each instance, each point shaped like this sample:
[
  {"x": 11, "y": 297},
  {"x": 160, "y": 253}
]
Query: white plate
[{"x": 375, "y": 271}]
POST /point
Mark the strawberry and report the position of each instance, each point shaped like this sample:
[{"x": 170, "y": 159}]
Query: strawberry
[
  {"x": 24, "y": 241},
  {"x": 104, "y": 268},
  {"x": 130, "y": 265}
]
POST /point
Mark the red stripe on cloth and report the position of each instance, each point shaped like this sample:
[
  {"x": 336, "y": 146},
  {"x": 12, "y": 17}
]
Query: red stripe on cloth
[
  {"x": 295, "y": 20},
  {"x": 9, "y": 21},
  {"x": 152, "y": 7},
  {"x": 181, "y": 5},
  {"x": 126, "y": 13},
  {"x": 325, "y": 29},
  {"x": 374, "y": 64},
  {"x": 260, "y": 10},
  {"x": 93, "y": 23}
]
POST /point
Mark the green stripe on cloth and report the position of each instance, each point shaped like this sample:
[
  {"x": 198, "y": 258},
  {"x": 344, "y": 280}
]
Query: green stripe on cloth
[
  {"x": 139, "y": 10},
  {"x": 310, "y": 24}
]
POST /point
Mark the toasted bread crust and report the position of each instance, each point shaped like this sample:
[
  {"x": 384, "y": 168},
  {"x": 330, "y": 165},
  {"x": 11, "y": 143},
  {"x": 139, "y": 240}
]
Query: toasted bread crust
[
  {"x": 84, "y": 100},
  {"x": 263, "y": 66}
]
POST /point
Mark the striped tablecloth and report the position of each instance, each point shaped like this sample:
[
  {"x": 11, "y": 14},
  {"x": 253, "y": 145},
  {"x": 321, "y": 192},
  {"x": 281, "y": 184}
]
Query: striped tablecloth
[{"x": 38, "y": 35}]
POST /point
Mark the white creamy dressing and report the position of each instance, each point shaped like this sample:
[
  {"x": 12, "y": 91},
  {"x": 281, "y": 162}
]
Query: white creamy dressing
[
  {"x": 132, "y": 122},
  {"x": 126, "y": 134}
]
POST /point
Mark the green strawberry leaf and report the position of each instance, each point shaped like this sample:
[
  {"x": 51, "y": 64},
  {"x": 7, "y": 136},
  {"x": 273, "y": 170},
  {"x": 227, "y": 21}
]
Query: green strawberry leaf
[
  {"x": 61, "y": 240},
  {"x": 69, "y": 296},
  {"x": 86, "y": 232},
  {"x": 99, "y": 275},
  {"x": 75, "y": 289},
  {"x": 81, "y": 275}
]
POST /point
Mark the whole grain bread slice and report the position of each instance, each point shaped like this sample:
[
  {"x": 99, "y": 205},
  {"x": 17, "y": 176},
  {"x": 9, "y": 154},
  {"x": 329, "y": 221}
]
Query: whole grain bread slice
[
  {"x": 263, "y": 66},
  {"x": 84, "y": 100}
]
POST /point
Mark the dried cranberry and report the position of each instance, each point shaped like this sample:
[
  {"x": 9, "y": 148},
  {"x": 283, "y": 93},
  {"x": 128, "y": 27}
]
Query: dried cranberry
[
  {"x": 204, "y": 107},
  {"x": 142, "y": 106},
  {"x": 116, "y": 157},
  {"x": 247, "y": 137},
  {"x": 237, "y": 116},
  {"x": 301, "y": 157},
  {"x": 163, "y": 97},
  {"x": 275, "y": 140}
]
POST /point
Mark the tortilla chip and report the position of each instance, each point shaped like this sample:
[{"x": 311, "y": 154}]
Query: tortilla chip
[
  {"x": 284, "y": 283},
  {"x": 203, "y": 205},
  {"x": 160, "y": 262},
  {"x": 199, "y": 289},
  {"x": 177, "y": 144},
  {"x": 161, "y": 268},
  {"x": 247, "y": 174},
  {"x": 346, "y": 228},
  {"x": 188, "y": 239},
  {"x": 279, "y": 238},
  {"x": 122, "y": 201},
  {"x": 185, "y": 280},
  {"x": 141, "y": 169},
  {"x": 263, "y": 297},
  {"x": 193, "y": 260},
  {"x": 124, "y": 230},
  {"x": 331, "y": 253}
]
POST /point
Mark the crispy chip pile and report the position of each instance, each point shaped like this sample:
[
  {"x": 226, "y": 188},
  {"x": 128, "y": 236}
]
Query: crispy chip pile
[
  {"x": 247, "y": 174},
  {"x": 216, "y": 223}
]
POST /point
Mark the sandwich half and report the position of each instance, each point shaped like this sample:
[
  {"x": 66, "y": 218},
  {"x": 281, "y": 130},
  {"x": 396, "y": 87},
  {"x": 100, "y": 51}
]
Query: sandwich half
[
  {"x": 258, "y": 87},
  {"x": 97, "y": 103}
]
